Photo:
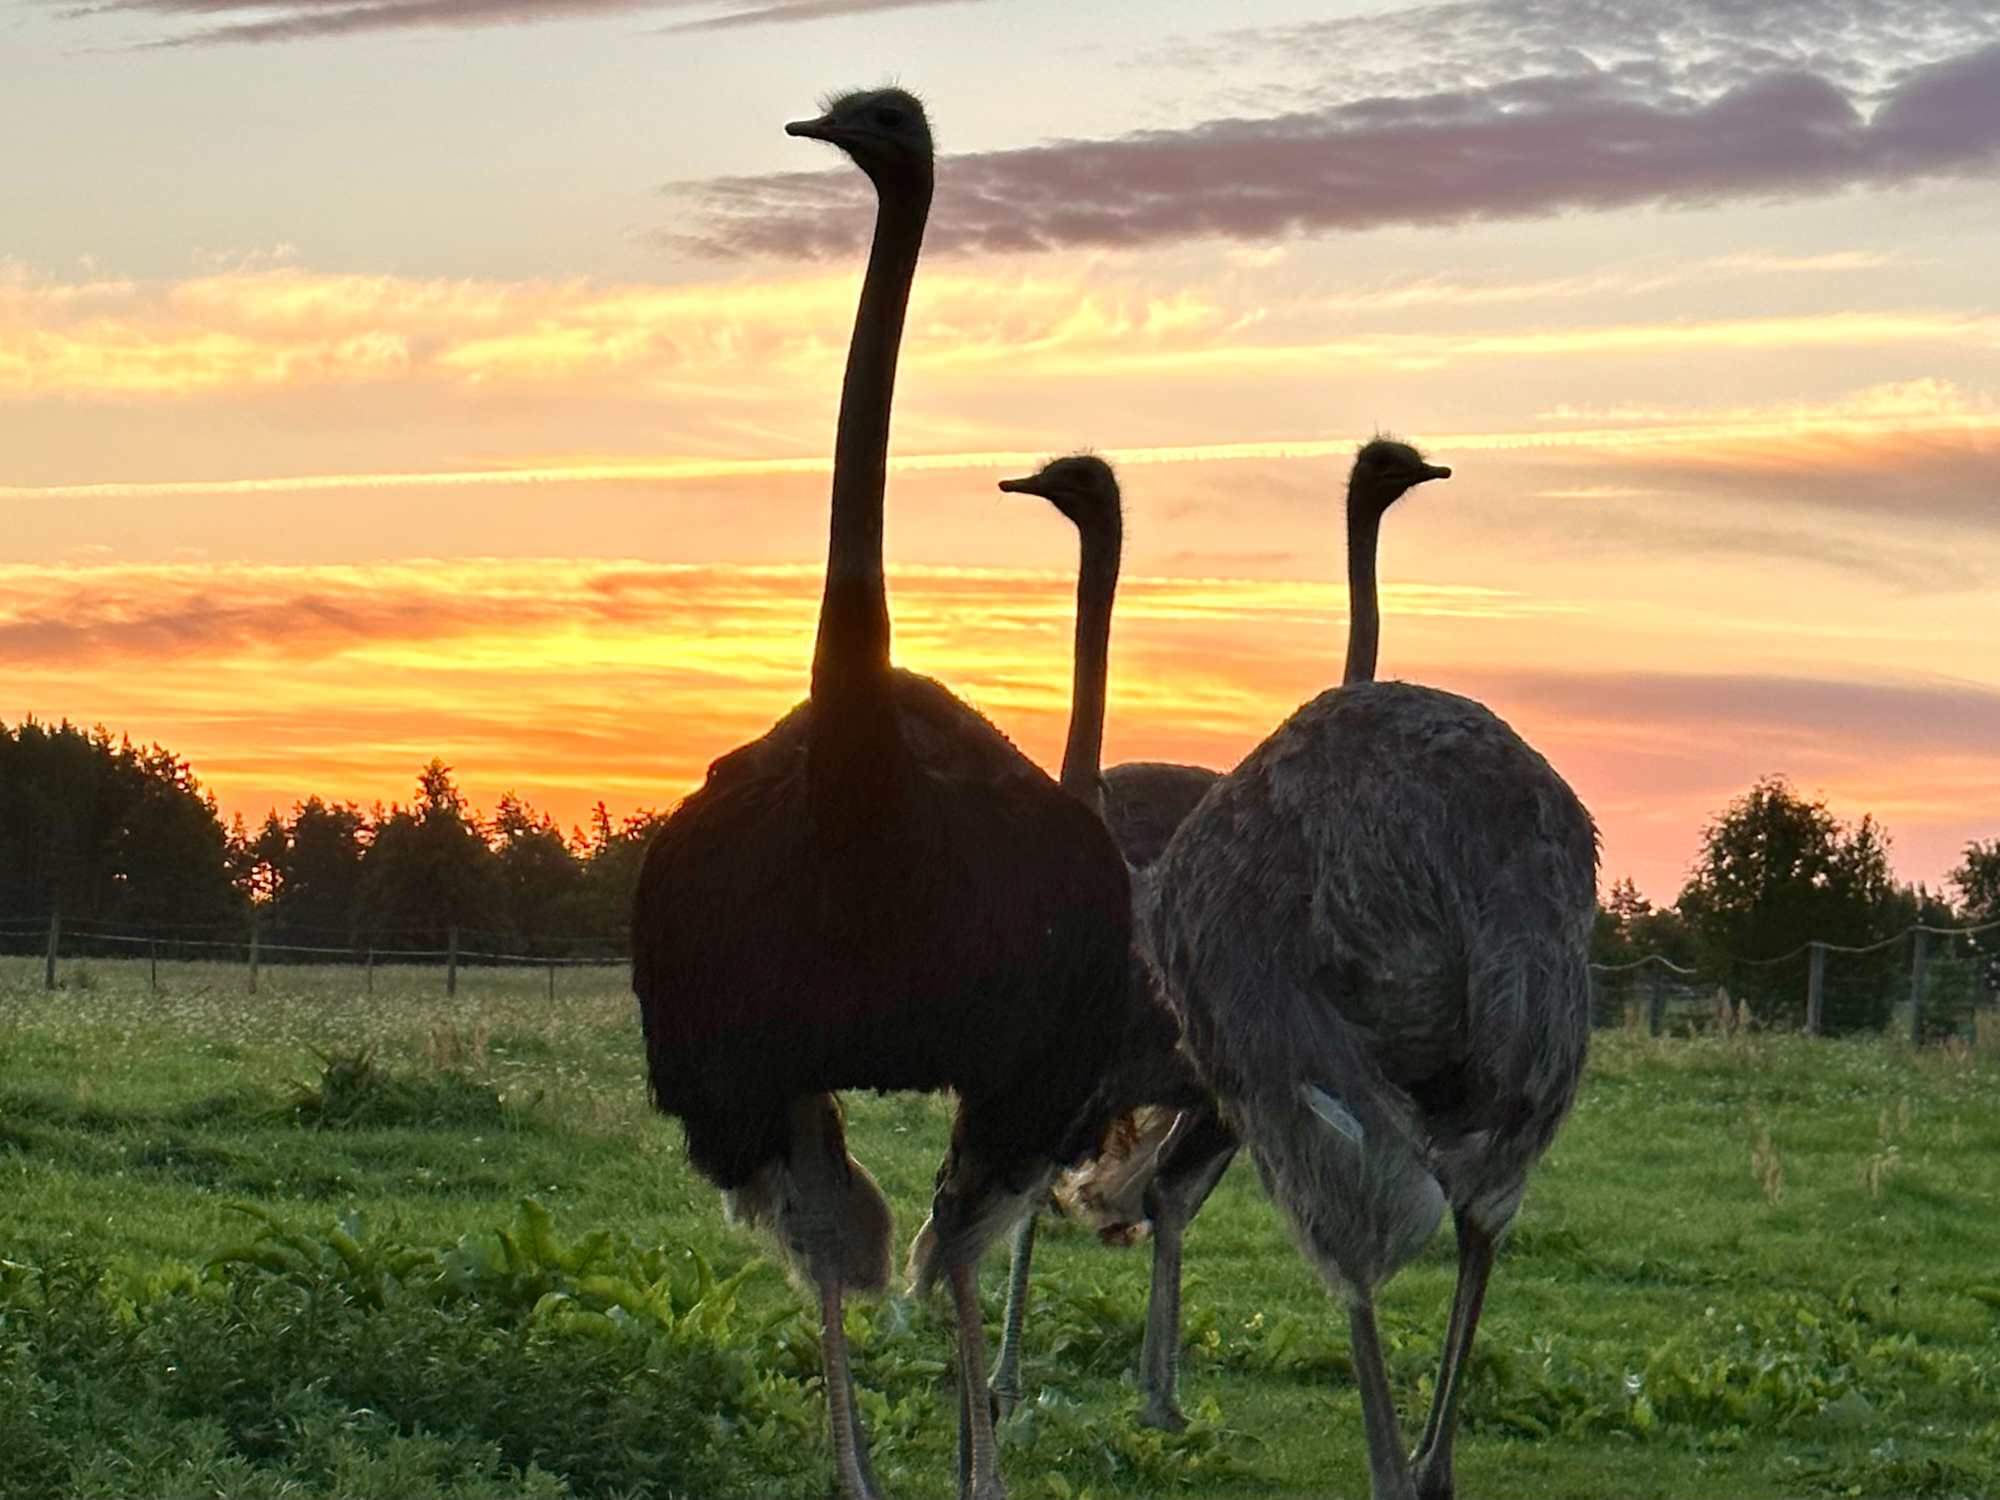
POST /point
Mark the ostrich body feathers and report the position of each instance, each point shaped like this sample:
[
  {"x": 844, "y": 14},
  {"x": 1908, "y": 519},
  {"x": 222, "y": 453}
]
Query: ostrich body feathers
[
  {"x": 971, "y": 934},
  {"x": 1381, "y": 918}
]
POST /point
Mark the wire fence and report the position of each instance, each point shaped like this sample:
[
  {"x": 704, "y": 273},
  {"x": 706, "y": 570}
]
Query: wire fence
[
  {"x": 451, "y": 950},
  {"x": 1928, "y": 983}
]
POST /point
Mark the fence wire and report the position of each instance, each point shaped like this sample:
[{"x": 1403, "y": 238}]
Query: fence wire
[
  {"x": 1929, "y": 983},
  {"x": 239, "y": 943},
  {"x": 1926, "y": 982}
]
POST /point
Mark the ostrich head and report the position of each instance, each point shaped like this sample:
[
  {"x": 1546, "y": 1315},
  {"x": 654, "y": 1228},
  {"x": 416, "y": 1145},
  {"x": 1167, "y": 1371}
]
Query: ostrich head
[
  {"x": 1081, "y": 486},
  {"x": 884, "y": 130},
  {"x": 1383, "y": 469}
]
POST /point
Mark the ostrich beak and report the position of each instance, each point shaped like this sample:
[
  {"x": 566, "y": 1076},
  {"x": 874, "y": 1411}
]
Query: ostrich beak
[
  {"x": 1437, "y": 471},
  {"x": 1022, "y": 486},
  {"x": 816, "y": 130}
]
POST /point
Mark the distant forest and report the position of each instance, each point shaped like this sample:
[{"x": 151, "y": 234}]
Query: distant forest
[{"x": 104, "y": 831}]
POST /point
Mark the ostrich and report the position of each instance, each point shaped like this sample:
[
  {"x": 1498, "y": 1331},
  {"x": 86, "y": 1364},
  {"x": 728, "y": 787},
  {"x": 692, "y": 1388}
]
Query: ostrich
[
  {"x": 1146, "y": 800},
  {"x": 880, "y": 892},
  {"x": 1162, "y": 1147},
  {"x": 1374, "y": 931}
]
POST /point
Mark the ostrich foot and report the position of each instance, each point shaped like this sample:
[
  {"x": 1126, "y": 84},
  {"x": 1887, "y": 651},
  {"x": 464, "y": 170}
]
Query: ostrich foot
[
  {"x": 1161, "y": 1414},
  {"x": 1430, "y": 1465},
  {"x": 1433, "y": 1476},
  {"x": 1005, "y": 1382}
]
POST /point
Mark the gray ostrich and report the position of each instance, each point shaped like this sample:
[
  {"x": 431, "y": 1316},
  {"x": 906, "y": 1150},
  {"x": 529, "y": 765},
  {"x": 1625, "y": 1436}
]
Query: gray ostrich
[
  {"x": 1161, "y": 1144},
  {"x": 1374, "y": 931}
]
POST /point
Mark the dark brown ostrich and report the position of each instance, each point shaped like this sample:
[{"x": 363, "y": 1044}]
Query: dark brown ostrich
[
  {"x": 1375, "y": 931},
  {"x": 881, "y": 892},
  {"x": 1160, "y": 1144}
]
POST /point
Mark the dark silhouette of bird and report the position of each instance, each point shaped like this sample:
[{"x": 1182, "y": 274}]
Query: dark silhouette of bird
[
  {"x": 1160, "y": 1144},
  {"x": 880, "y": 892},
  {"x": 1146, "y": 800},
  {"x": 1375, "y": 932}
]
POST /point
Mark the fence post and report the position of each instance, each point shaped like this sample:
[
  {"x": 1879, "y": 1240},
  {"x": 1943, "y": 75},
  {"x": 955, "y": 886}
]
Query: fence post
[
  {"x": 1816, "y": 988},
  {"x": 1656, "y": 995},
  {"x": 253, "y": 952},
  {"x": 1917, "y": 990},
  {"x": 55, "y": 943},
  {"x": 368, "y": 974},
  {"x": 552, "y": 979},
  {"x": 451, "y": 965},
  {"x": 153, "y": 967}
]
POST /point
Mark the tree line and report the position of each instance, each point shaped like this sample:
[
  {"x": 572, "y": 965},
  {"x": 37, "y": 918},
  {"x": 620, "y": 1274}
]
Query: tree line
[
  {"x": 1778, "y": 870},
  {"x": 105, "y": 831}
]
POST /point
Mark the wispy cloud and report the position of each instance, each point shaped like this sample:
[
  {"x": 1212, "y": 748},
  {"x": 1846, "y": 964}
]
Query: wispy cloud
[
  {"x": 1904, "y": 455},
  {"x": 129, "y": 611},
  {"x": 1532, "y": 146},
  {"x": 718, "y": 341},
  {"x": 1262, "y": 352},
  {"x": 577, "y": 679},
  {"x": 1438, "y": 291},
  {"x": 1906, "y": 479},
  {"x": 738, "y": 342},
  {"x": 287, "y": 327},
  {"x": 1695, "y": 50},
  {"x": 549, "y": 667},
  {"x": 295, "y": 20},
  {"x": 1849, "y": 722},
  {"x": 1870, "y": 433},
  {"x": 774, "y": 12}
]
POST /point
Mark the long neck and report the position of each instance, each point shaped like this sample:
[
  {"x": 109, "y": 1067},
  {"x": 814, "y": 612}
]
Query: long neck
[
  {"x": 853, "y": 737},
  {"x": 1096, "y": 588},
  {"x": 1364, "y": 611}
]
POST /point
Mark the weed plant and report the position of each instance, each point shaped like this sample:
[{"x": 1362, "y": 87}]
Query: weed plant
[
  {"x": 323, "y": 1241},
  {"x": 355, "y": 1092}
]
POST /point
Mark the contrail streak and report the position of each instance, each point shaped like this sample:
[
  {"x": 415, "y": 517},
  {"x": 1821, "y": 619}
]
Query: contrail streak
[{"x": 672, "y": 469}]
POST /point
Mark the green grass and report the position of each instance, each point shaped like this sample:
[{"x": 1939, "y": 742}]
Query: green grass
[{"x": 278, "y": 1245}]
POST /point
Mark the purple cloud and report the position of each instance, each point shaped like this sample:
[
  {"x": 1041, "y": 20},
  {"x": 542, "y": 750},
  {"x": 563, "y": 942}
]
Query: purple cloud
[
  {"x": 1524, "y": 149},
  {"x": 1697, "y": 48},
  {"x": 299, "y": 19}
]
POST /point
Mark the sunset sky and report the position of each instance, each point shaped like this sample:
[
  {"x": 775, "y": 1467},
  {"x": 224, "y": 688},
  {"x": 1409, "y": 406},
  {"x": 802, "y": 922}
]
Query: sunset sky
[{"x": 389, "y": 378}]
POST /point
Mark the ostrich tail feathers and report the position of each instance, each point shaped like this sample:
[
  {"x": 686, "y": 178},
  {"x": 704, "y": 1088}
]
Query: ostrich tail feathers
[{"x": 1108, "y": 1193}]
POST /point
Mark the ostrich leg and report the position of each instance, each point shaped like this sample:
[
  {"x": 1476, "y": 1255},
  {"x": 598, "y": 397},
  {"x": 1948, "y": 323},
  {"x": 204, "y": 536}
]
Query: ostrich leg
[
  {"x": 978, "y": 1465},
  {"x": 1006, "y": 1381},
  {"x": 1196, "y": 1160},
  {"x": 1388, "y": 1469},
  {"x": 1432, "y": 1462},
  {"x": 850, "y": 1446},
  {"x": 1160, "y": 1353}
]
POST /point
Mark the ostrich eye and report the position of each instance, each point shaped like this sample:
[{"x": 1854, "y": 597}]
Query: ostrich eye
[{"x": 889, "y": 119}]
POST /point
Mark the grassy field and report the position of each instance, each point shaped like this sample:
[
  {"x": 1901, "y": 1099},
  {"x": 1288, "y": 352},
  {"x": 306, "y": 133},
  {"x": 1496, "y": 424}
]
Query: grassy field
[{"x": 315, "y": 1242}]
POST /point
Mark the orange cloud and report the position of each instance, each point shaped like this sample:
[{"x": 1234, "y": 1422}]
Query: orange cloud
[
  {"x": 1434, "y": 291},
  {"x": 573, "y": 680},
  {"x": 743, "y": 341},
  {"x": 1913, "y": 449},
  {"x": 584, "y": 679},
  {"x": 260, "y": 329},
  {"x": 1789, "y": 435}
]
